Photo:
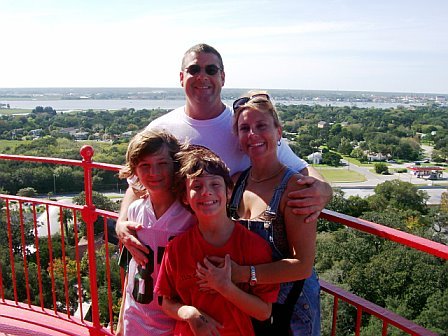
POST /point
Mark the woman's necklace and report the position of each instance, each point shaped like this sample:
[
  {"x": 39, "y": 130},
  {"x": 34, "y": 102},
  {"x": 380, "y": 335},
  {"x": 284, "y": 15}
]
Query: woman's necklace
[{"x": 266, "y": 178}]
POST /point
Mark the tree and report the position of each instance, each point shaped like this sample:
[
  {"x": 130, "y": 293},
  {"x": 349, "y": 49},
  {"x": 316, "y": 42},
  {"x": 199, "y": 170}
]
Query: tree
[
  {"x": 27, "y": 192},
  {"x": 101, "y": 202},
  {"x": 345, "y": 147},
  {"x": 399, "y": 195},
  {"x": 381, "y": 168},
  {"x": 434, "y": 315},
  {"x": 331, "y": 158}
]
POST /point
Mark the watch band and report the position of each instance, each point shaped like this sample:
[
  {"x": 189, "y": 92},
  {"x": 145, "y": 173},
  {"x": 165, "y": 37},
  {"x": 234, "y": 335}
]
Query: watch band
[{"x": 253, "y": 276}]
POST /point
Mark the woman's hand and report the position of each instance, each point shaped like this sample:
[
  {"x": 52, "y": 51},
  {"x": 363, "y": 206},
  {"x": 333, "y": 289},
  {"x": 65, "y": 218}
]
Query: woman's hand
[{"x": 216, "y": 276}]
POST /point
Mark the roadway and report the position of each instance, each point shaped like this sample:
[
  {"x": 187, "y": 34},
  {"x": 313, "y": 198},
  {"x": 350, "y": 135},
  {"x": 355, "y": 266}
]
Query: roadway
[{"x": 434, "y": 188}]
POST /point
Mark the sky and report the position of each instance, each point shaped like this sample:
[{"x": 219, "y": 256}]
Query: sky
[{"x": 349, "y": 45}]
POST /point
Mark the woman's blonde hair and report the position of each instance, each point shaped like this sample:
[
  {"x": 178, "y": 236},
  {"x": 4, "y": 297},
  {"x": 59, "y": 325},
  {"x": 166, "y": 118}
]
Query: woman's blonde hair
[{"x": 263, "y": 105}]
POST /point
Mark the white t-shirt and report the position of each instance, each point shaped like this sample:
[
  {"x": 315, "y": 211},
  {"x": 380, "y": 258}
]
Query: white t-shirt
[
  {"x": 148, "y": 318},
  {"x": 217, "y": 134}
]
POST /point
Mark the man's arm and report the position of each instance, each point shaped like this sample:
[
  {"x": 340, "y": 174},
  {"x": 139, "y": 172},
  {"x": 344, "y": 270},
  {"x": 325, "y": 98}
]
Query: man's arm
[
  {"x": 312, "y": 199},
  {"x": 127, "y": 230}
]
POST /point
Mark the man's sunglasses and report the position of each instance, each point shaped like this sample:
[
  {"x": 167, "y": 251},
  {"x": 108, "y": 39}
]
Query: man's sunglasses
[
  {"x": 210, "y": 69},
  {"x": 260, "y": 98}
]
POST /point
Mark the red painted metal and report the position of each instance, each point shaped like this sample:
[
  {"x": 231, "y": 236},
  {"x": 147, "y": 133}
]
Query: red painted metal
[
  {"x": 109, "y": 289},
  {"x": 78, "y": 264},
  {"x": 39, "y": 268},
  {"x": 11, "y": 255},
  {"x": 90, "y": 214},
  {"x": 403, "y": 238},
  {"x": 335, "y": 313},
  {"x": 50, "y": 251},
  {"x": 372, "y": 309}
]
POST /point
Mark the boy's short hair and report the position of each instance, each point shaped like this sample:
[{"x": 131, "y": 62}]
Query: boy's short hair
[
  {"x": 194, "y": 160},
  {"x": 145, "y": 143}
]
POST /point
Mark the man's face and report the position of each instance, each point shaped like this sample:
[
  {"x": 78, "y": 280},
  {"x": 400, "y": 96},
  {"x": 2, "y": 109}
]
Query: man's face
[{"x": 202, "y": 87}]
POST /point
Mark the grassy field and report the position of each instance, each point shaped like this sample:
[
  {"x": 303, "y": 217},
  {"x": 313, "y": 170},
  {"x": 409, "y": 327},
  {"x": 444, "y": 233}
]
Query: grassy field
[
  {"x": 6, "y": 146},
  {"x": 14, "y": 111},
  {"x": 340, "y": 174}
]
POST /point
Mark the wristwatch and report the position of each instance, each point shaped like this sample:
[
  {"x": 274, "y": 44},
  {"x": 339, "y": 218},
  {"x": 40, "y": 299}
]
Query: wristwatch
[{"x": 253, "y": 276}]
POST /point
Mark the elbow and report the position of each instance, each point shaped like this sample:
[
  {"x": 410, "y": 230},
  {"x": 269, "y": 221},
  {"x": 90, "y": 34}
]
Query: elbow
[
  {"x": 265, "y": 313},
  {"x": 303, "y": 271}
]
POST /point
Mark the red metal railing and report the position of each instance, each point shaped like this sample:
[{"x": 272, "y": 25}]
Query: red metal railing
[{"x": 61, "y": 281}]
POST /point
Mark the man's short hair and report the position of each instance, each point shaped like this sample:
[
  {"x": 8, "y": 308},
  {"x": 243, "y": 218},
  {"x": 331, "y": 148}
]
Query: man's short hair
[{"x": 202, "y": 48}]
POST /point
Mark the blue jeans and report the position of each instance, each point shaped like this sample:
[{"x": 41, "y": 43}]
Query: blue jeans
[{"x": 305, "y": 320}]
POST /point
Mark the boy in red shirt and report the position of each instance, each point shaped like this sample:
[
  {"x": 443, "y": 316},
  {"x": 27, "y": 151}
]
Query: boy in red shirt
[{"x": 205, "y": 187}]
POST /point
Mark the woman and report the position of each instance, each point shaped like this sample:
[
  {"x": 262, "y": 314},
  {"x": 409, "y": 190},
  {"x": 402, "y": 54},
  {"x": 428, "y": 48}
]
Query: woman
[{"x": 259, "y": 202}]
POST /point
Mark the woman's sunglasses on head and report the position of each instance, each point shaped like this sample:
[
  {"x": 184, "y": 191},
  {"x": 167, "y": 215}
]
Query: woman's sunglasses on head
[
  {"x": 260, "y": 98},
  {"x": 210, "y": 69}
]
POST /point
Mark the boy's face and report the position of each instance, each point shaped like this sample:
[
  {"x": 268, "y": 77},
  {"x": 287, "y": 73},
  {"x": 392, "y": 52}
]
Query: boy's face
[
  {"x": 156, "y": 171},
  {"x": 207, "y": 195}
]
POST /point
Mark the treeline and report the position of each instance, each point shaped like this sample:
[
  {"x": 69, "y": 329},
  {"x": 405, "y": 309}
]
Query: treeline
[
  {"x": 406, "y": 281},
  {"x": 56, "y": 124},
  {"x": 45, "y": 178},
  {"x": 396, "y": 132}
]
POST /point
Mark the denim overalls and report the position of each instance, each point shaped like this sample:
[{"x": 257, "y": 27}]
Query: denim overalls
[{"x": 270, "y": 226}]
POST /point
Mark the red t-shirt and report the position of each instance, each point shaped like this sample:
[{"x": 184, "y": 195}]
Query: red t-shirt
[{"x": 177, "y": 277}]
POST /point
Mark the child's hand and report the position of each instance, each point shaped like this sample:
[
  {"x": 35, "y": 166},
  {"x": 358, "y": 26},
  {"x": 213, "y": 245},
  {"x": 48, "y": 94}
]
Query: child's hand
[
  {"x": 214, "y": 277},
  {"x": 204, "y": 325},
  {"x": 200, "y": 323}
]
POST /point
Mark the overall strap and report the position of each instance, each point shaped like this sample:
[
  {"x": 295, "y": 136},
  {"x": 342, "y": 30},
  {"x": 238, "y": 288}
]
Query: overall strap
[
  {"x": 272, "y": 208},
  {"x": 237, "y": 195}
]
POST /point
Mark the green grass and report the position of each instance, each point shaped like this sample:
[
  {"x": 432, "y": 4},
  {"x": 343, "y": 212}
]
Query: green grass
[
  {"x": 356, "y": 161},
  {"x": 15, "y": 111},
  {"x": 7, "y": 146},
  {"x": 340, "y": 175}
]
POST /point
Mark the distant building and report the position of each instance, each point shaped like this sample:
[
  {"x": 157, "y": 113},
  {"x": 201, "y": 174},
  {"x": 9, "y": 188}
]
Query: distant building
[
  {"x": 36, "y": 132},
  {"x": 377, "y": 157},
  {"x": 432, "y": 173},
  {"x": 322, "y": 124},
  {"x": 127, "y": 134},
  {"x": 315, "y": 158},
  {"x": 81, "y": 135}
]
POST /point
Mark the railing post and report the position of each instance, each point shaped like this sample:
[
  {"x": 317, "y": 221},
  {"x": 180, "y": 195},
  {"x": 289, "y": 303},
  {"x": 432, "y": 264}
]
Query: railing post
[{"x": 89, "y": 215}]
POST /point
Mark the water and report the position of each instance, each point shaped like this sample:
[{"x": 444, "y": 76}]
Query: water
[{"x": 139, "y": 104}]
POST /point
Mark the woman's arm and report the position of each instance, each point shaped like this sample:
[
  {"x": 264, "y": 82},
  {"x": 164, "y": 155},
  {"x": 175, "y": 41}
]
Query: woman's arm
[
  {"x": 218, "y": 278},
  {"x": 301, "y": 240}
]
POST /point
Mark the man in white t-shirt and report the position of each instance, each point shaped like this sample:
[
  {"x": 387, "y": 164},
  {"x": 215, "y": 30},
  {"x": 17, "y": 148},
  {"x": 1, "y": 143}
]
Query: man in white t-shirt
[{"x": 207, "y": 121}]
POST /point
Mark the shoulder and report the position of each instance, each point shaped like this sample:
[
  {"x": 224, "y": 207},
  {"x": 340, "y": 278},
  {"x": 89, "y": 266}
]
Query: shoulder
[
  {"x": 184, "y": 237},
  {"x": 292, "y": 183},
  {"x": 236, "y": 176},
  {"x": 137, "y": 206},
  {"x": 168, "y": 117}
]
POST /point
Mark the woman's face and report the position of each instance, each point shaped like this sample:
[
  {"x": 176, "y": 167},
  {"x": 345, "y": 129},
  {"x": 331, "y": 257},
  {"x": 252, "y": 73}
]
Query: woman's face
[
  {"x": 156, "y": 171},
  {"x": 257, "y": 133}
]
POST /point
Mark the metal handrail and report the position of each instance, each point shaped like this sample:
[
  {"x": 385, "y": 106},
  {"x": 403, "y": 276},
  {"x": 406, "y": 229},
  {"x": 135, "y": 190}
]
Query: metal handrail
[{"x": 90, "y": 214}]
